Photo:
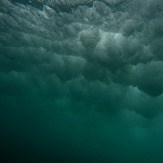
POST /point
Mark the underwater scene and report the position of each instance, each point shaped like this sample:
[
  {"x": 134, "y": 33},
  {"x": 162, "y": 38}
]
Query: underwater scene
[{"x": 81, "y": 81}]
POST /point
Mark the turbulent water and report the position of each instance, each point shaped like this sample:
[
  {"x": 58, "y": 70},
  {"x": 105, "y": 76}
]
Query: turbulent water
[
  {"x": 68, "y": 3},
  {"x": 81, "y": 81}
]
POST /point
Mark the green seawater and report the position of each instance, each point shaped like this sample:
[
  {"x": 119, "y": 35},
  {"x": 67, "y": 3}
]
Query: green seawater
[{"x": 82, "y": 84}]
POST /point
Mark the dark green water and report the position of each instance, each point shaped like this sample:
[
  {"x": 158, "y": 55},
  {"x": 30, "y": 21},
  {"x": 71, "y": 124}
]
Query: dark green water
[{"x": 82, "y": 85}]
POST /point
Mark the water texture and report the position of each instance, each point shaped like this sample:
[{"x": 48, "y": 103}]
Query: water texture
[{"x": 81, "y": 81}]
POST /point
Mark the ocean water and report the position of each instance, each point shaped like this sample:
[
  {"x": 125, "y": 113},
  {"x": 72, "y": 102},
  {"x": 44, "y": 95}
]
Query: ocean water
[{"x": 81, "y": 81}]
